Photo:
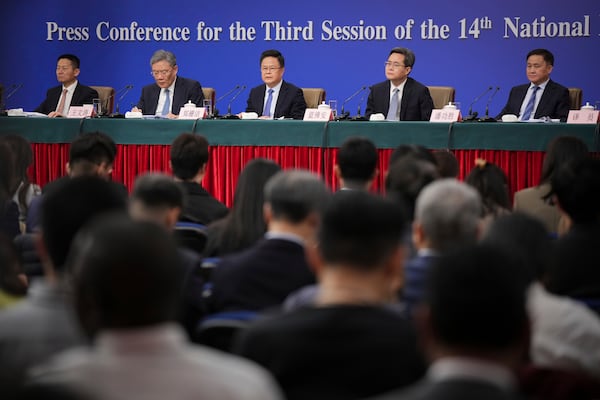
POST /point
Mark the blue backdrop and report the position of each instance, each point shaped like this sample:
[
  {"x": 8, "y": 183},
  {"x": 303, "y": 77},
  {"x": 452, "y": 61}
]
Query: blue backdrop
[{"x": 340, "y": 46}]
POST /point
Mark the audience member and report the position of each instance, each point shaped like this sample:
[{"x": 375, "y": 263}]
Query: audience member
[
  {"x": 537, "y": 201},
  {"x": 44, "y": 323},
  {"x": 541, "y": 97},
  {"x": 276, "y": 98},
  {"x": 356, "y": 166},
  {"x": 70, "y": 92},
  {"x": 491, "y": 183},
  {"x": 349, "y": 344},
  {"x": 189, "y": 161},
  {"x": 126, "y": 296},
  {"x": 474, "y": 328},
  {"x": 245, "y": 223},
  {"x": 9, "y": 211},
  {"x": 447, "y": 217},
  {"x": 400, "y": 98},
  {"x": 420, "y": 152},
  {"x": 13, "y": 282},
  {"x": 170, "y": 92},
  {"x": 447, "y": 163}
]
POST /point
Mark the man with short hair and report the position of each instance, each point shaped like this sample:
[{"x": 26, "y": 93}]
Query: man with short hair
[
  {"x": 356, "y": 166},
  {"x": 170, "y": 92},
  {"x": 400, "y": 98},
  {"x": 70, "y": 92},
  {"x": 189, "y": 160},
  {"x": 541, "y": 97},
  {"x": 276, "y": 98}
]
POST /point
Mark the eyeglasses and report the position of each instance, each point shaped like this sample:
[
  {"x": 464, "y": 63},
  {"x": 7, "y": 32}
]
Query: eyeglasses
[
  {"x": 161, "y": 73},
  {"x": 269, "y": 69},
  {"x": 394, "y": 64}
]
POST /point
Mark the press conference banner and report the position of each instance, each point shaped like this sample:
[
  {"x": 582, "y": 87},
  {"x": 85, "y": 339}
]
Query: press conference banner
[{"x": 337, "y": 45}]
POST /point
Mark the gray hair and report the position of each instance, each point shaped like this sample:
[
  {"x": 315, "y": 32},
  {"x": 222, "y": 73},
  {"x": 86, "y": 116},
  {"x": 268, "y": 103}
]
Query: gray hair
[
  {"x": 449, "y": 212},
  {"x": 163, "y": 55}
]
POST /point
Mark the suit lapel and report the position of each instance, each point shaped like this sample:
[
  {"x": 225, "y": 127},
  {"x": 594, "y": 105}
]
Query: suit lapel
[
  {"x": 406, "y": 93},
  {"x": 280, "y": 98},
  {"x": 541, "y": 109}
]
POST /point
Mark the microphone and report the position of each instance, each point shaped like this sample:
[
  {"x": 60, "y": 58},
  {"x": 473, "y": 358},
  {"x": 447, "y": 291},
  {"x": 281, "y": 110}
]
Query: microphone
[
  {"x": 343, "y": 113},
  {"x": 473, "y": 115},
  {"x": 229, "y": 115},
  {"x": 359, "y": 117},
  {"x": 14, "y": 88},
  {"x": 487, "y": 117},
  {"x": 215, "y": 111},
  {"x": 124, "y": 91}
]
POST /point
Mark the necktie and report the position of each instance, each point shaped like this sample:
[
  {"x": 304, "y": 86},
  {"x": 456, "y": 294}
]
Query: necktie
[
  {"x": 393, "y": 114},
  {"x": 167, "y": 106},
  {"x": 267, "y": 110},
  {"x": 529, "y": 107},
  {"x": 61, "y": 104}
]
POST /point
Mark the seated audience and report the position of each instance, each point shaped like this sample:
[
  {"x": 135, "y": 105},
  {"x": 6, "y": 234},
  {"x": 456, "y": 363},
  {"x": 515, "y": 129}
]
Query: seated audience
[
  {"x": 9, "y": 211},
  {"x": 126, "y": 297},
  {"x": 447, "y": 163},
  {"x": 356, "y": 166},
  {"x": 492, "y": 184},
  {"x": 245, "y": 223},
  {"x": 350, "y": 344},
  {"x": 13, "y": 282}
]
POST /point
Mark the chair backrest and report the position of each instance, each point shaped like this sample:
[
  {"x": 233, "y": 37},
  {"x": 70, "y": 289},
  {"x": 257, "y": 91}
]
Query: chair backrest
[
  {"x": 219, "y": 330},
  {"x": 576, "y": 96},
  {"x": 107, "y": 98},
  {"x": 191, "y": 235},
  {"x": 441, "y": 95},
  {"x": 209, "y": 93},
  {"x": 313, "y": 96}
]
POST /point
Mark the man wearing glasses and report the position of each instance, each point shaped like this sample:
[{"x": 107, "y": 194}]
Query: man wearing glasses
[
  {"x": 400, "y": 98},
  {"x": 276, "y": 98},
  {"x": 171, "y": 92}
]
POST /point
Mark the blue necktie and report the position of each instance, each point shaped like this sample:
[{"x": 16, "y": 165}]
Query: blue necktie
[
  {"x": 392, "y": 114},
  {"x": 167, "y": 105},
  {"x": 529, "y": 107},
  {"x": 267, "y": 110}
]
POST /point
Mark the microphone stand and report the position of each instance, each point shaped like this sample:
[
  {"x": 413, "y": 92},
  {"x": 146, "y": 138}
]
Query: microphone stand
[
  {"x": 487, "y": 117},
  {"x": 125, "y": 90},
  {"x": 14, "y": 89},
  {"x": 229, "y": 115},
  {"x": 345, "y": 114},
  {"x": 215, "y": 110},
  {"x": 473, "y": 115},
  {"x": 358, "y": 116}
]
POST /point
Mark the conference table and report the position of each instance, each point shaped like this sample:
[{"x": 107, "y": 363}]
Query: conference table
[{"x": 143, "y": 145}]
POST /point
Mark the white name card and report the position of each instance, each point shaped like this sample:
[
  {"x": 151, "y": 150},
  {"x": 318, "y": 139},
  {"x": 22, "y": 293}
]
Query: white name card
[
  {"x": 315, "y": 114},
  {"x": 192, "y": 113},
  {"x": 84, "y": 111},
  {"x": 445, "y": 115},
  {"x": 583, "y": 116}
]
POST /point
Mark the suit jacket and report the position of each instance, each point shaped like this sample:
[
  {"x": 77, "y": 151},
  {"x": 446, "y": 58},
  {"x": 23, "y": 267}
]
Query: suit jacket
[
  {"x": 290, "y": 102},
  {"x": 530, "y": 201},
  {"x": 554, "y": 103},
  {"x": 201, "y": 206},
  {"x": 82, "y": 95},
  {"x": 416, "y": 272},
  {"x": 185, "y": 90},
  {"x": 416, "y": 104}
]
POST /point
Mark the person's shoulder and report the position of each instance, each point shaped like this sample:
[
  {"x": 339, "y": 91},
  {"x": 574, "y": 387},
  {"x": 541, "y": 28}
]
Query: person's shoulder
[
  {"x": 557, "y": 86},
  {"x": 415, "y": 83},
  {"x": 290, "y": 86},
  {"x": 381, "y": 85},
  {"x": 86, "y": 88},
  {"x": 186, "y": 81}
]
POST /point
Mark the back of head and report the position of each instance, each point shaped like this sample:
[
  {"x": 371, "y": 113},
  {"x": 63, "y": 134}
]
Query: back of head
[
  {"x": 560, "y": 151},
  {"x": 415, "y": 150},
  {"x": 360, "y": 230},
  {"x": 577, "y": 187},
  {"x": 449, "y": 212},
  {"x": 22, "y": 153},
  {"x": 66, "y": 209},
  {"x": 154, "y": 195},
  {"x": 90, "y": 150},
  {"x": 189, "y": 153},
  {"x": 126, "y": 274},
  {"x": 295, "y": 194},
  {"x": 447, "y": 163},
  {"x": 6, "y": 169},
  {"x": 476, "y": 304},
  {"x": 492, "y": 185},
  {"x": 357, "y": 160}
]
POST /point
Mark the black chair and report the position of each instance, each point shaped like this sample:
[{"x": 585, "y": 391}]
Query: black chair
[
  {"x": 191, "y": 235},
  {"x": 219, "y": 330}
]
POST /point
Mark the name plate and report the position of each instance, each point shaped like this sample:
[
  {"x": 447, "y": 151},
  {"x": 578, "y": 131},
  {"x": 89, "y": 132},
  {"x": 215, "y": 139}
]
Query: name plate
[
  {"x": 445, "y": 115},
  {"x": 315, "y": 114},
  {"x": 84, "y": 111},
  {"x": 192, "y": 113},
  {"x": 583, "y": 116}
]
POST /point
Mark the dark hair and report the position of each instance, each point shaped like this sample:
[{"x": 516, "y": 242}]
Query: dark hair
[
  {"x": 492, "y": 184},
  {"x": 71, "y": 57},
  {"x": 562, "y": 150},
  {"x": 357, "y": 159},
  {"x": 66, "y": 209},
  {"x": 126, "y": 274},
  {"x": 158, "y": 190},
  {"x": 546, "y": 54},
  {"x": 23, "y": 158},
  {"x": 245, "y": 223},
  {"x": 294, "y": 194},
  {"x": 189, "y": 153},
  {"x": 6, "y": 169},
  {"x": 447, "y": 163},
  {"x": 360, "y": 230},
  {"x": 409, "y": 56},
  {"x": 577, "y": 187},
  {"x": 92, "y": 148},
  {"x": 273, "y": 53},
  {"x": 412, "y": 149},
  {"x": 10, "y": 268},
  {"x": 475, "y": 300}
]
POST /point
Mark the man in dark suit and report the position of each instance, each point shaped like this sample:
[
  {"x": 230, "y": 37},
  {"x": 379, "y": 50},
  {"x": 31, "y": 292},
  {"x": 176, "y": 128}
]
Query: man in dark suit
[
  {"x": 276, "y": 98},
  {"x": 400, "y": 98},
  {"x": 171, "y": 92},
  {"x": 542, "y": 97},
  {"x": 70, "y": 92}
]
